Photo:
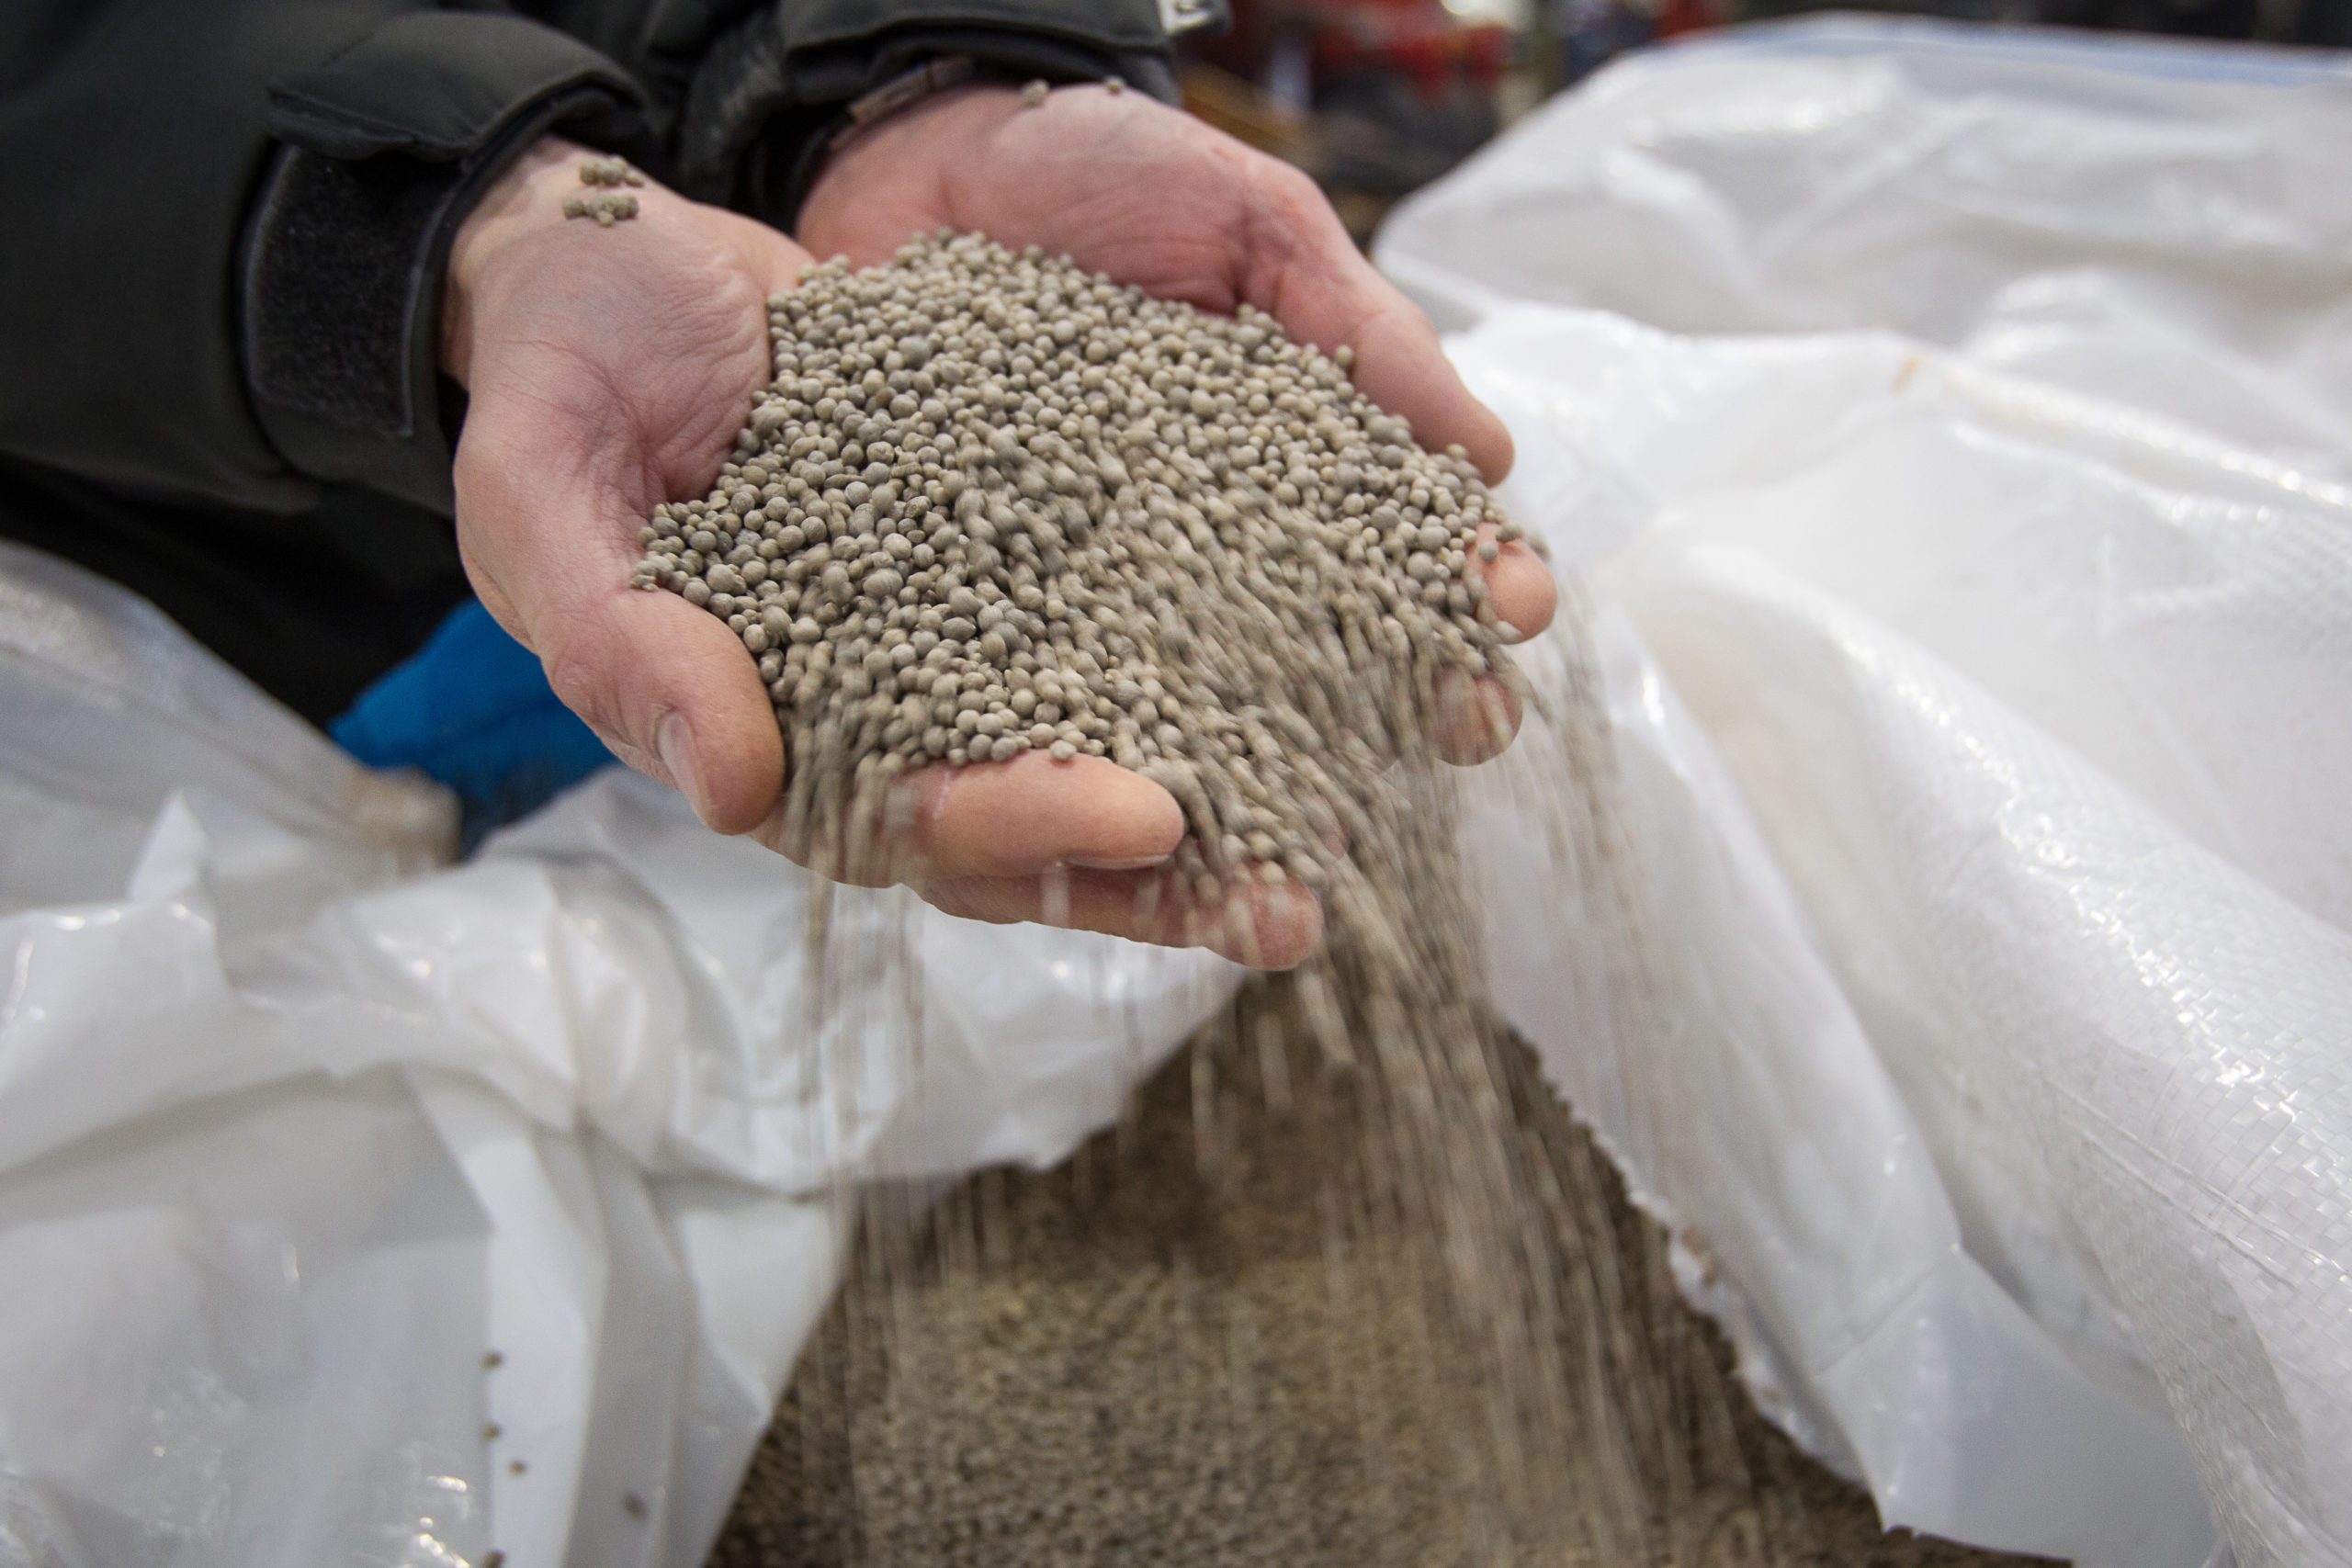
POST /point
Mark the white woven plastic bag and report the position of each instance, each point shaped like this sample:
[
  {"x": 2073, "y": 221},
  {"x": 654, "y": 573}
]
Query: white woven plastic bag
[
  {"x": 359, "y": 1208},
  {"x": 2000, "y": 1076}
]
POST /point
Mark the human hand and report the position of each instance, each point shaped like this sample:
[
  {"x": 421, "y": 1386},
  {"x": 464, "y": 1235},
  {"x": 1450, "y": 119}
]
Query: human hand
[
  {"x": 608, "y": 369},
  {"x": 1128, "y": 186}
]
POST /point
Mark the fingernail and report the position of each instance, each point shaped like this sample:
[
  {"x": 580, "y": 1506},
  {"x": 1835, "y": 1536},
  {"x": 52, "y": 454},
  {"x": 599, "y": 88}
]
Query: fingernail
[
  {"x": 903, "y": 806},
  {"x": 675, "y": 740},
  {"x": 1116, "y": 863}
]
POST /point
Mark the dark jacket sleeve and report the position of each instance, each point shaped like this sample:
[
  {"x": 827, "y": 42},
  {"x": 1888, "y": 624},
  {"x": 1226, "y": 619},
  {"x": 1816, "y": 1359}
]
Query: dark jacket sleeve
[
  {"x": 230, "y": 217},
  {"x": 222, "y": 271},
  {"x": 768, "y": 97}
]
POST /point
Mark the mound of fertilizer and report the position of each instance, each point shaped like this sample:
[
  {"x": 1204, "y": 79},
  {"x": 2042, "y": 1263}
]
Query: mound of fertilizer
[
  {"x": 1144, "y": 1356},
  {"x": 1348, "y": 1287},
  {"x": 993, "y": 503}
]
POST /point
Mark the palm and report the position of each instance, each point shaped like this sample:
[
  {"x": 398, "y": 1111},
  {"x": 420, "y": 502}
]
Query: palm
[
  {"x": 608, "y": 371},
  {"x": 1113, "y": 181},
  {"x": 1128, "y": 186},
  {"x": 637, "y": 384}
]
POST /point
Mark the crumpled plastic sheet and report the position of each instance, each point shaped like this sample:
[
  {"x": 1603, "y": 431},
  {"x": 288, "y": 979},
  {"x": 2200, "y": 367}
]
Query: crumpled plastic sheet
[
  {"x": 1983, "y": 719},
  {"x": 359, "y": 1208},
  {"x": 1955, "y": 959},
  {"x": 2163, "y": 222}
]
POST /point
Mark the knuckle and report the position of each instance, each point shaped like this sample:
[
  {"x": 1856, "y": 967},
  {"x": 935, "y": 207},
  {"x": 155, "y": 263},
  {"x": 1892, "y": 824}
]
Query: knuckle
[{"x": 582, "y": 681}]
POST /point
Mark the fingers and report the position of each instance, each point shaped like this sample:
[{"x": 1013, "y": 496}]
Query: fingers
[
  {"x": 1018, "y": 818},
  {"x": 1001, "y": 819},
  {"x": 1525, "y": 596},
  {"x": 1082, "y": 844},
  {"x": 1309, "y": 275},
  {"x": 1401, "y": 367},
  {"x": 1476, "y": 719},
  {"x": 1264, "y": 927},
  {"x": 670, "y": 690},
  {"x": 664, "y": 684}
]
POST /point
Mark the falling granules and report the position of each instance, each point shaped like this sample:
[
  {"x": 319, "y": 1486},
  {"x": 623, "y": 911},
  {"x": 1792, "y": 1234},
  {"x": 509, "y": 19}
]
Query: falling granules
[
  {"x": 993, "y": 503},
  {"x": 1146, "y": 1357}
]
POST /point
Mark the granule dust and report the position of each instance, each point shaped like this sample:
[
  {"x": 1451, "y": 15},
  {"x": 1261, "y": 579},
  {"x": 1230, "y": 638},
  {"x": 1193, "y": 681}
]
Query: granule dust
[
  {"x": 1142, "y": 1357},
  {"x": 992, "y": 503},
  {"x": 606, "y": 207}
]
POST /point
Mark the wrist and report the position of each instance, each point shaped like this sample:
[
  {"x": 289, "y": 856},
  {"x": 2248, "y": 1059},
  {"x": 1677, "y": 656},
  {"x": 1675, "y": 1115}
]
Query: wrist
[
  {"x": 525, "y": 199},
  {"x": 906, "y": 127},
  {"x": 770, "y": 99},
  {"x": 896, "y": 97}
]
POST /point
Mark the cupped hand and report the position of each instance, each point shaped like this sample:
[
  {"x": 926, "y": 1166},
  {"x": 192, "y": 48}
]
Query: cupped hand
[
  {"x": 1130, "y": 187},
  {"x": 607, "y": 370},
  {"x": 1126, "y": 185}
]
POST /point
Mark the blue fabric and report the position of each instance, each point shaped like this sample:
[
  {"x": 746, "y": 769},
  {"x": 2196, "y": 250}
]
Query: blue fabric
[{"x": 474, "y": 709}]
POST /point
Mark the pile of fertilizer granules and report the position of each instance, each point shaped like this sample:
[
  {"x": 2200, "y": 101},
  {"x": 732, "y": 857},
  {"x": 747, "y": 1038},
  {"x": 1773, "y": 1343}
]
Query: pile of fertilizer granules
[
  {"x": 992, "y": 502},
  {"x": 1162, "y": 1354}
]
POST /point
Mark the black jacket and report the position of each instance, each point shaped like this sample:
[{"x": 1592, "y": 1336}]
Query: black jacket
[{"x": 227, "y": 225}]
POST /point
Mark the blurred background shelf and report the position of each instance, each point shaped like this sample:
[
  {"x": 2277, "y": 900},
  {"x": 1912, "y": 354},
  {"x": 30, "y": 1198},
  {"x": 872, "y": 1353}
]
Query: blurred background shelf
[{"x": 1376, "y": 98}]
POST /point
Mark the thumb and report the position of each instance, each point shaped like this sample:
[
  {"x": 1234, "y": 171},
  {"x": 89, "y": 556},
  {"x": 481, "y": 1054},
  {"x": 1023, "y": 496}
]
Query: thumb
[
  {"x": 663, "y": 684},
  {"x": 671, "y": 690}
]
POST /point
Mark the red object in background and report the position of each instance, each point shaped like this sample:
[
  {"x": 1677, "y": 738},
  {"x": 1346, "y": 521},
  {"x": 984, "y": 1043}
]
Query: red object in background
[
  {"x": 1418, "y": 39},
  {"x": 1691, "y": 16}
]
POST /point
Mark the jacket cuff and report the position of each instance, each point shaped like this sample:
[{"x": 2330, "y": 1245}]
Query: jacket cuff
[
  {"x": 382, "y": 152},
  {"x": 772, "y": 93}
]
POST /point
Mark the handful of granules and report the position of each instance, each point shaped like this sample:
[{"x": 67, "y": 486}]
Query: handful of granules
[
  {"x": 993, "y": 503},
  {"x": 605, "y": 203}
]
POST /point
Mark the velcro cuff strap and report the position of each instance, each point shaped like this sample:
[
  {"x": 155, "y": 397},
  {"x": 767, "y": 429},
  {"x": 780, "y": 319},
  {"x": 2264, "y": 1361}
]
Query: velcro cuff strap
[
  {"x": 386, "y": 149},
  {"x": 438, "y": 85},
  {"x": 776, "y": 88}
]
